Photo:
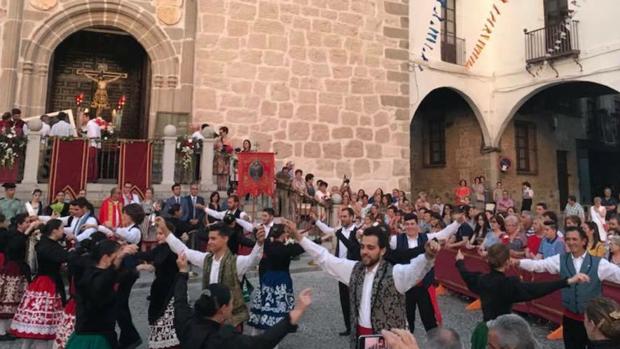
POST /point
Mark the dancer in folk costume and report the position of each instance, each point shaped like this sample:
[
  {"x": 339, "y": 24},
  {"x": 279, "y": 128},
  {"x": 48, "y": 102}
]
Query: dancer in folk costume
[
  {"x": 40, "y": 310},
  {"x": 274, "y": 298},
  {"x": 96, "y": 298},
  {"x": 161, "y": 307},
  {"x": 15, "y": 273},
  {"x": 498, "y": 292},
  {"x": 76, "y": 269}
]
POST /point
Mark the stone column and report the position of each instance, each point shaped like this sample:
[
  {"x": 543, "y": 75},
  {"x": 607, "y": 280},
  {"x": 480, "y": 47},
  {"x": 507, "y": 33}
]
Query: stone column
[
  {"x": 10, "y": 54},
  {"x": 169, "y": 157},
  {"x": 33, "y": 152},
  {"x": 206, "y": 165}
]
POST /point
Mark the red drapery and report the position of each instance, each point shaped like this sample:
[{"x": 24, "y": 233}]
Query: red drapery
[
  {"x": 135, "y": 165},
  {"x": 68, "y": 167},
  {"x": 256, "y": 173}
]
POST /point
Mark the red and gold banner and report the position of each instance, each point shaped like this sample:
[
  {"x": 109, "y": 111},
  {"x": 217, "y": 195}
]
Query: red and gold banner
[
  {"x": 256, "y": 173},
  {"x": 68, "y": 167},
  {"x": 135, "y": 165}
]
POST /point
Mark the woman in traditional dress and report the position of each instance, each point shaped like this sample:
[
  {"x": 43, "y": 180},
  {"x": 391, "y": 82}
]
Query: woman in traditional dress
[
  {"x": 34, "y": 207},
  {"x": 40, "y": 311},
  {"x": 96, "y": 298},
  {"x": 76, "y": 269},
  {"x": 595, "y": 246},
  {"x": 161, "y": 306},
  {"x": 15, "y": 274},
  {"x": 499, "y": 292},
  {"x": 274, "y": 298},
  {"x": 151, "y": 209}
]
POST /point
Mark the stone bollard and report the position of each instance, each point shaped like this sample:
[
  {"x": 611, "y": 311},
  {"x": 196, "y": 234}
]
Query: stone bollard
[{"x": 33, "y": 152}]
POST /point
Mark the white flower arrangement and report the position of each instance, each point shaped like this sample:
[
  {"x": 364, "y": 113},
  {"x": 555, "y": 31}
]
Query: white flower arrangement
[{"x": 11, "y": 147}]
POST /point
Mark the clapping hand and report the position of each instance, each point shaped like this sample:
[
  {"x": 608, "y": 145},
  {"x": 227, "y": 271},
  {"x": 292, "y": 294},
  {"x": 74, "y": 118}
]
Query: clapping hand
[
  {"x": 579, "y": 278},
  {"x": 260, "y": 235}
]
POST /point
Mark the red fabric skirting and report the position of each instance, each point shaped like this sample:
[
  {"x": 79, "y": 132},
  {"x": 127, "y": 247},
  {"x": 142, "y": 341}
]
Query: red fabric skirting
[
  {"x": 68, "y": 167},
  {"x": 1, "y": 260},
  {"x": 39, "y": 312},
  {"x": 135, "y": 165},
  {"x": 364, "y": 331},
  {"x": 66, "y": 326},
  {"x": 93, "y": 164},
  {"x": 12, "y": 286}
]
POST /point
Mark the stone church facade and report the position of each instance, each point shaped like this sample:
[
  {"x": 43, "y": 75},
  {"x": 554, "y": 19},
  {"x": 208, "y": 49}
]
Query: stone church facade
[{"x": 324, "y": 83}]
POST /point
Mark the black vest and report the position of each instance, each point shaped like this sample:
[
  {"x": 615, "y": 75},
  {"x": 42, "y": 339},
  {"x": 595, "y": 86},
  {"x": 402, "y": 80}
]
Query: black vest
[
  {"x": 352, "y": 253},
  {"x": 402, "y": 244}
]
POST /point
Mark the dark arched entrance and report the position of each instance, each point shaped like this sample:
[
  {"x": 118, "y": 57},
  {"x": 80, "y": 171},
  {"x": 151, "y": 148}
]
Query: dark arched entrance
[
  {"x": 565, "y": 139},
  {"x": 446, "y": 144},
  {"x": 120, "y": 53}
]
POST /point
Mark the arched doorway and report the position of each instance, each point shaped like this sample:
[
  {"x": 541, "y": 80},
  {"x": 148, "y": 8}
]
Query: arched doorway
[
  {"x": 446, "y": 144},
  {"x": 565, "y": 140},
  {"x": 116, "y": 51}
]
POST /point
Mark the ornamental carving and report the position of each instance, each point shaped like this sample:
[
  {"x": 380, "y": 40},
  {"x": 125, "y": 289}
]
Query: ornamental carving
[
  {"x": 169, "y": 11},
  {"x": 43, "y": 5}
]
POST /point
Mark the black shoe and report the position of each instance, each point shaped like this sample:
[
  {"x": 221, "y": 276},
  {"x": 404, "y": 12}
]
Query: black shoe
[
  {"x": 345, "y": 333},
  {"x": 7, "y": 337}
]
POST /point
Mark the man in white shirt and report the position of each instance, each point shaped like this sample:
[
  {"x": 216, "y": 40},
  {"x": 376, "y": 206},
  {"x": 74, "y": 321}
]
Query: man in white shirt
[
  {"x": 576, "y": 297},
  {"x": 233, "y": 208},
  {"x": 80, "y": 225},
  {"x": 377, "y": 289},
  {"x": 93, "y": 132},
  {"x": 347, "y": 247},
  {"x": 197, "y": 135},
  {"x": 408, "y": 245},
  {"x": 129, "y": 197},
  {"x": 218, "y": 263},
  {"x": 62, "y": 128}
]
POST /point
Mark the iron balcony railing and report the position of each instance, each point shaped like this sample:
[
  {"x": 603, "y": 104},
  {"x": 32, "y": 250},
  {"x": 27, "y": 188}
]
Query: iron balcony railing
[{"x": 552, "y": 42}]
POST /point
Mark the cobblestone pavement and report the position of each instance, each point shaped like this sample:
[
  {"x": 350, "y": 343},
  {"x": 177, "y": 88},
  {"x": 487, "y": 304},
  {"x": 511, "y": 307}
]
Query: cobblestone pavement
[{"x": 323, "y": 321}]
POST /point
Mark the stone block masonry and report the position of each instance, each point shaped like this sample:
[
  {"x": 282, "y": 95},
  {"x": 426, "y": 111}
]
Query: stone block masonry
[{"x": 324, "y": 83}]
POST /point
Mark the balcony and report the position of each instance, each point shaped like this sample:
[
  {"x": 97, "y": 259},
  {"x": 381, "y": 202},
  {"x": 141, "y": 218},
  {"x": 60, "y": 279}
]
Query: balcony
[
  {"x": 552, "y": 42},
  {"x": 453, "y": 50}
]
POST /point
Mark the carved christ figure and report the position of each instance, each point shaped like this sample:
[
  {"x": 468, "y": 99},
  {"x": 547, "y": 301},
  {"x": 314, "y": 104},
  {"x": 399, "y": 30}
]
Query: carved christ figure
[{"x": 102, "y": 77}]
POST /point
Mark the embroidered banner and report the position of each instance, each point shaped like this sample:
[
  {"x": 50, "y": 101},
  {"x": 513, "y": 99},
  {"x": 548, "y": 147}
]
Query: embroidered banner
[
  {"x": 256, "y": 173},
  {"x": 68, "y": 167},
  {"x": 135, "y": 165}
]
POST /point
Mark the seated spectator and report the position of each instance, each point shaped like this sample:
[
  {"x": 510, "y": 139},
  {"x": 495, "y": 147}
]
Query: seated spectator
[{"x": 510, "y": 331}]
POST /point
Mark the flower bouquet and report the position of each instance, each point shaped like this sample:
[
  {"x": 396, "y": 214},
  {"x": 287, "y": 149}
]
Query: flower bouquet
[
  {"x": 187, "y": 148},
  {"x": 12, "y": 147}
]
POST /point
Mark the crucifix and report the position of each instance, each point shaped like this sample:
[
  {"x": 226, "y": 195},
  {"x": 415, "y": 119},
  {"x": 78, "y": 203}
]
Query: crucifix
[{"x": 102, "y": 77}]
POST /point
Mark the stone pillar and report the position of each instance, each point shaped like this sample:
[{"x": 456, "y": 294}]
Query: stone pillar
[
  {"x": 10, "y": 54},
  {"x": 206, "y": 165},
  {"x": 169, "y": 157},
  {"x": 33, "y": 152},
  {"x": 492, "y": 155}
]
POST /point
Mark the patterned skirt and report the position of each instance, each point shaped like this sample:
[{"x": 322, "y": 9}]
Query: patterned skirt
[
  {"x": 13, "y": 283},
  {"x": 163, "y": 335},
  {"x": 39, "y": 312},
  {"x": 66, "y": 326},
  {"x": 272, "y": 300}
]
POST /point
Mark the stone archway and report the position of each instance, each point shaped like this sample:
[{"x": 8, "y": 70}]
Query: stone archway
[{"x": 77, "y": 15}]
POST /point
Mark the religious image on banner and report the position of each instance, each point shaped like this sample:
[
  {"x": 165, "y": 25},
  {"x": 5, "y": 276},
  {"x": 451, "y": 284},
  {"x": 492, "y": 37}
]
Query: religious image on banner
[{"x": 256, "y": 173}]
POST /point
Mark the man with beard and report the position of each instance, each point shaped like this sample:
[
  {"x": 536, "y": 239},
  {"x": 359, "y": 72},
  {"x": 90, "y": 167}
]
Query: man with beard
[{"x": 376, "y": 288}]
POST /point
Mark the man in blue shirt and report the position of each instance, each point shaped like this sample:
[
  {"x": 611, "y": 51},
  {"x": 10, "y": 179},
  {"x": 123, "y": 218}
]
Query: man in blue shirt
[{"x": 551, "y": 244}]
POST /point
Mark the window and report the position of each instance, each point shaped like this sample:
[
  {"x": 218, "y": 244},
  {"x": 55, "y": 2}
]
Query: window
[
  {"x": 448, "y": 32},
  {"x": 525, "y": 146},
  {"x": 434, "y": 142}
]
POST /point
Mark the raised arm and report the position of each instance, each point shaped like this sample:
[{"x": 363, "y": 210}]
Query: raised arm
[
  {"x": 245, "y": 263},
  {"x": 247, "y": 226},
  {"x": 608, "y": 271},
  {"x": 194, "y": 257},
  {"x": 471, "y": 278},
  {"x": 325, "y": 228},
  {"x": 550, "y": 265},
  {"x": 338, "y": 268},
  {"x": 132, "y": 235},
  {"x": 445, "y": 233},
  {"x": 215, "y": 214},
  {"x": 408, "y": 275}
]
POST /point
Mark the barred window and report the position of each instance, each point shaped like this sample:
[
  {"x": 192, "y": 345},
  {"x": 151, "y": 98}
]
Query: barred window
[{"x": 434, "y": 142}]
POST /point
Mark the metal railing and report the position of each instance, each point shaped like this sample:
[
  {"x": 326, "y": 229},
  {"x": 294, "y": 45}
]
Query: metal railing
[
  {"x": 552, "y": 42},
  {"x": 298, "y": 207}
]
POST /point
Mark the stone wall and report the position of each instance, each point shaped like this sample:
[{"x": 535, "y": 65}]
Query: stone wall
[
  {"x": 465, "y": 158},
  {"x": 321, "y": 82}
]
